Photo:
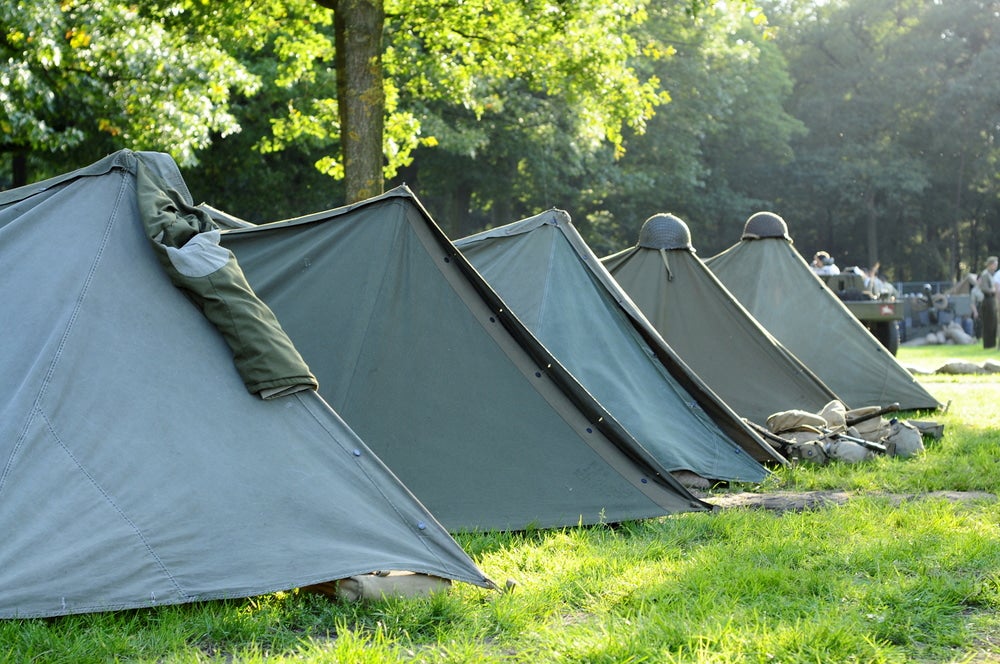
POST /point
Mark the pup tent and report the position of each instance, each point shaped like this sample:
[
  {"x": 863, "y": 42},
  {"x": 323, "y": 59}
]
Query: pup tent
[
  {"x": 714, "y": 334},
  {"x": 136, "y": 466},
  {"x": 544, "y": 270},
  {"x": 772, "y": 280},
  {"x": 434, "y": 372}
]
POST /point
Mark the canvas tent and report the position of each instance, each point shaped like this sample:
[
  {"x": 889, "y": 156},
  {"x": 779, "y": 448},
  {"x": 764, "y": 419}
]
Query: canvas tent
[
  {"x": 544, "y": 270},
  {"x": 717, "y": 337},
  {"x": 772, "y": 280},
  {"x": 136, "y": 467},
  {"x": 432, "y": 370}
]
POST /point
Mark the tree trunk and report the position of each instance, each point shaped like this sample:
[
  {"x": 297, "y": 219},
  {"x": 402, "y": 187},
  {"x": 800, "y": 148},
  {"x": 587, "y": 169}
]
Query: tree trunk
[
  {"x": 357, "y": 28},
  {"x": 956, "y": 222},
  {"x": 18, "y": 164},
  {"x": 871, "y": 228},
  {"x": 19, "y": 167},
  {"x": 457, "y": 210}
]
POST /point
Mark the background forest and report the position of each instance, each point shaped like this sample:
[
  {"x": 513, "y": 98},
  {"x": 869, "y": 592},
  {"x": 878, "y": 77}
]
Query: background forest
[{"x": 869, "y": 125}]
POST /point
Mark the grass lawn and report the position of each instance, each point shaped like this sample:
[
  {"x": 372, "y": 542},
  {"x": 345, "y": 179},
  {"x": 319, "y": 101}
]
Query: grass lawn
[{"x": 906, "y": 570}]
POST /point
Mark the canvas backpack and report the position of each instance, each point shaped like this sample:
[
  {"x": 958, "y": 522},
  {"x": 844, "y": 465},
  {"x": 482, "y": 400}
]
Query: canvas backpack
[{"x": 904, "y": 440}]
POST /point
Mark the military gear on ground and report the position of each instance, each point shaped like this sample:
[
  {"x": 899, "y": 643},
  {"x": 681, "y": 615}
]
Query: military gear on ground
[
  {"x": 382, "y": 585},
  {"x": 824, "y": 436},
  {"x": 795, "y": 420},
  {"x": 904, "y": 440},
  {"x": 848, "y": 451},
  {"x": 835, "y": 414},
  {"x": 811, "y": 452},
  {"x": 867, "y": 424},
  {"x": 929, "y": 429},
  {"x": 802, "y": 436}
]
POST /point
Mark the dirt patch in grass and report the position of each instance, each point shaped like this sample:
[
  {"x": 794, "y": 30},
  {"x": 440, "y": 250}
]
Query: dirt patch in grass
[{"x": 797, "y": 501}]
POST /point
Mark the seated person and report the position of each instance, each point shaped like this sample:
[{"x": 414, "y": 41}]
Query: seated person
[{"x": 823, "y": 263}]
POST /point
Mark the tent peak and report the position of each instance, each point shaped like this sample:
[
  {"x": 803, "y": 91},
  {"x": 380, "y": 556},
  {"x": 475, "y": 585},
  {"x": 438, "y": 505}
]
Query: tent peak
[
  {"x": 762, "y": 225},
  {"x": 553, "y": 217},
  {"x": 665, "y": 231}
]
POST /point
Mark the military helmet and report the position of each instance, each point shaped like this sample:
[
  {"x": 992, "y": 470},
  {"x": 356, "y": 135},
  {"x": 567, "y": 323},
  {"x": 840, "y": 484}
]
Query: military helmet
[
  {"x": 665, "y": 231},
  {"x": 764, "y": 225}
]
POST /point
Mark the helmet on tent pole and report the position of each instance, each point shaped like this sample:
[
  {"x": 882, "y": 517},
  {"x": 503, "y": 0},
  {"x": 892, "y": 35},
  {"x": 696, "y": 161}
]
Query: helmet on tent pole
[
  {"x": 665, "y": 231},
  {"x": 764, "y": 225}
]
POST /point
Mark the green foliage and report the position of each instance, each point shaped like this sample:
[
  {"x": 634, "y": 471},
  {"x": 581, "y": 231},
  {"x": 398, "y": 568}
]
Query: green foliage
[
  {"x": 727, "y": 82},
  {"x": 901, "y": 119},
  {"x": 77, "y": 70},
  {"x": 870, "y": 125},
  {"x": 530, "y": 148},
  {"x": 523, "y": 101},
  {"x": 579, "y": 52}
]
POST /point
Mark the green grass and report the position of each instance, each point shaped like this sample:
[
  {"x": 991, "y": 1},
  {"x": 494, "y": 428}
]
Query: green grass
[{"x": 893, "y": 575}]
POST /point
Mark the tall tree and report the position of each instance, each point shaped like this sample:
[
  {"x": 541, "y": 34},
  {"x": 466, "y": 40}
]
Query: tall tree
[
  {"x": 698, "y": 159},
  {"x": 82, "y": 77},
  {"x": 853, "y": 105},
  {"x": 524, "y": 145},
  {"x": 76, "y": 70},
  {"x": 468, "y": 55},
  {"x": 957, "y": 132},
  {"x": 902, "y": 116}
]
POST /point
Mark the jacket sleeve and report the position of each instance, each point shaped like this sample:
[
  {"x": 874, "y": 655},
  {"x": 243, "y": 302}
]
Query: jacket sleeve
[{"x": 186, "y": 242}]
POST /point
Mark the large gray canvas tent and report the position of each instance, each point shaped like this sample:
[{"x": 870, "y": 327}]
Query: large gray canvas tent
[
  {"x": 429, "y": 366},
  {"x": 772, "y": 280},
  {"x": 717, "y": 337},
  {"x": 136, "y": 466},
  {"x": 544, "y": 270}
]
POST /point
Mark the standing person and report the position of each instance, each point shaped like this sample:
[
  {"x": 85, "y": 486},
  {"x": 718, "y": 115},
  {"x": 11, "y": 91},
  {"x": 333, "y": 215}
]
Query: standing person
[
  {"x": 988, "y": 308},
  {"x": 996, "y": 282},
  {"x": 969, "y": 285}
]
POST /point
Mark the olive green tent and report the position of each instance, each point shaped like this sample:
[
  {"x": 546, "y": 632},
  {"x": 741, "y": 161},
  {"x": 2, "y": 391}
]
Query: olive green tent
[
  {"x": 717, "y": 337},
  {"x": 555, "y": 284},
  {"x": 137, "y": 466},
  {"x": 429, "y": 366},
  {"x": 767, "y": 274}
]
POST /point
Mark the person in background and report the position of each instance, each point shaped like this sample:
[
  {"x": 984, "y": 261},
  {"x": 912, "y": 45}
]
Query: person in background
[
  {"x": 969, "y": 285},
  {"x": 876, "y": 284},
  {"x": 823, "y": 263},
  {"x": 988, "y": 307},
  {"x": 996, "y": 282}
]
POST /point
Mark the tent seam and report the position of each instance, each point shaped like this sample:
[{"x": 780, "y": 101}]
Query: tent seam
[
  {"x": 36, "y": 408},
  {"x": 547, "y": 285},
  {"x": 371, "y": 315},
  {"x": 107, "y": 497}
]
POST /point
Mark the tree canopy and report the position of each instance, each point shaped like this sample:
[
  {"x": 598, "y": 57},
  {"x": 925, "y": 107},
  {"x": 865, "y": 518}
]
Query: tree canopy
[
  {"x": 870, "y": 125},
  {"x": 902, "y": 118},
  {"x": 95, "y": 75}
]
